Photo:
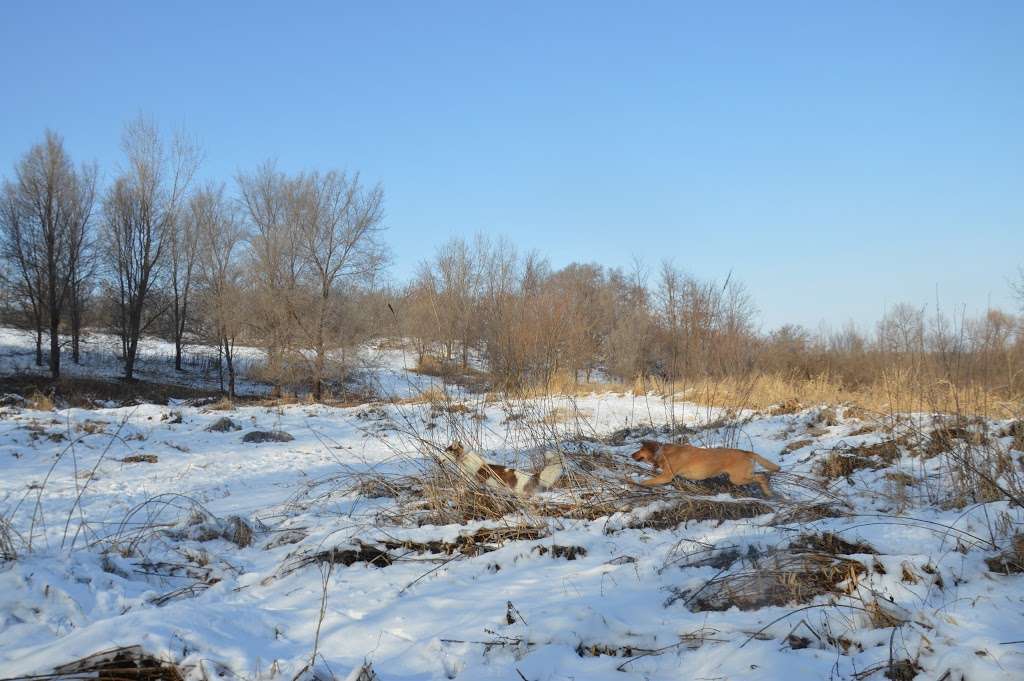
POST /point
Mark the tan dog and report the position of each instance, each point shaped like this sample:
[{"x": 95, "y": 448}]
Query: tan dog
[{"x": 701, "y": 463}]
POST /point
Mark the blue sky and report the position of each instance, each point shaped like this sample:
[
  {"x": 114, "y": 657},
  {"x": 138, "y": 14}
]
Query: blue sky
[{"x": 837, "y": 158}]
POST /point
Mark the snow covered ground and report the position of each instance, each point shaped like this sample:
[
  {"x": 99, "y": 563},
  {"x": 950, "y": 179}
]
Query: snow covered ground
[
  {"x": 100, "y": 359},
  {"x": 381, "y": 369},
  {"x": 138, "y": 526},
  {"x": 115, "y": 561}
]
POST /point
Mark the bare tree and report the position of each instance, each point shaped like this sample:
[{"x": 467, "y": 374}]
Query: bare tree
[
  {"x": 340, "y": 224},
  {"x": 23, "y": 278},
  {"x": 1018, "y": 287},
  {"x": 219, "y": 233},
  {"x": 82, "y": 289},
  {"x": 275, "y": 267},
  {"x": 140, "y": 213},
  {"x": 183, "y": 254},
  {"x": 314, "y": 233},
  {"x": 45, "y": 221}
]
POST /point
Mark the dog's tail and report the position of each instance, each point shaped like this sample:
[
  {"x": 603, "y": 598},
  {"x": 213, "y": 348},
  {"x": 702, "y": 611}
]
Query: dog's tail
[
  {"x": 770, "y": 466},
  {"x": 552, "y": 470}
]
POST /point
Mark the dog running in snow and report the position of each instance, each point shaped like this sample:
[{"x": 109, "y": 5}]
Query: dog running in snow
[
  {"x": 503, "y": 477},
  {"x": 701, "y": 463}
]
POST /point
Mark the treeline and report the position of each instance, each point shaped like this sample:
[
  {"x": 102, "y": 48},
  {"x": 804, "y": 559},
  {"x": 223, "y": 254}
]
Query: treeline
[
  {"x": 277, "y": 262},
  {"x": 294, "y": 264},
  {"x": 530, "y": 324}
]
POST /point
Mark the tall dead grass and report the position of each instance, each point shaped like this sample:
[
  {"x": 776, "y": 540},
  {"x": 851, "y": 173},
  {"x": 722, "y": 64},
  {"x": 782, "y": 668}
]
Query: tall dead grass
[{"x": 895, "y": 391}]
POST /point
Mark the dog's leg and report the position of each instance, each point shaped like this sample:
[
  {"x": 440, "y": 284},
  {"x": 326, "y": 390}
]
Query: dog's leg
[
  {"x": 661, "y": 479},
  {"x": 751, "y": 477}
]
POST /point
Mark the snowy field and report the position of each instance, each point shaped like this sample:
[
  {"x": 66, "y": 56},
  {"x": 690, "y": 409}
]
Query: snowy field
[
  {"x": 100, "y": 359},
  {"x": 138, "y": 526}
]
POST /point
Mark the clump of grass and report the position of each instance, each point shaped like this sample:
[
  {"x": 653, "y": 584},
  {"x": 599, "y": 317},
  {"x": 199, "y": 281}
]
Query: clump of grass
[
  {"x": 451, "y": 498},
  {"x": 1016, "y": 431},
  {"x": 780, "y": 579},
  {"x": 1011, "y": 560},
  {"x": 827, "y": 542},
  {"x": 222, "y": 404},
  {"x": 946, "y": 437},
  {"x": 841, "y": 465},
  {"x": 40, "y": 401},
  {"x": 560, "y": 414},
  {"x": 129, "y": 663},
  {"x": 794, "y": 445},
  {"x": 7, "y": 551}
]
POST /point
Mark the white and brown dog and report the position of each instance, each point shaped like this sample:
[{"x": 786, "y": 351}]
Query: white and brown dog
[{"x": 503, "y": 477}]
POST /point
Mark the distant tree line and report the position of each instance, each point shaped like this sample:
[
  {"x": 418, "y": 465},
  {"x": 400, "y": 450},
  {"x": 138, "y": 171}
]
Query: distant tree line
[
  {"x": 294, "y": 263},
  {"x": 279, "y": 263},
  {"x": 528, "y": 323}
]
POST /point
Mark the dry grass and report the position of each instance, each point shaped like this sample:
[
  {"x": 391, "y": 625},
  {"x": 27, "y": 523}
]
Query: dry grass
[
  {"x": 893, "y": 392},
  {"x": 129, "y": 663},
  {"x": 696, "y": 508},
  {"x": 1011, "y": 560},
  {"x": 432, "y": 395},
  {"x": 7, "y": 551},
  {"x": 39, "y": 401},
  {"x": 564, "y": 383},
  {"x": 781, "y": 578},
  {"x": 841, "y": 465},
  {"x": 451, "y": 372},
  {"x": 222, "y": 404}
]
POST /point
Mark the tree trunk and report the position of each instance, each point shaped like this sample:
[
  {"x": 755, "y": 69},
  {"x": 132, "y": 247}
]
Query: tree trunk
[
  {"x": 318, "y": 364},
  {"x": 318, "y": 375},
  {"x": 179, "y": 331},
  {"x": 39, "y": 345},
  {"x": 220, "y": 362},
  {"x": 229, "y": 358},
  {"x": 129, "y": 362},
  {"x": 54, "y": 346},
  {"x": 76, "y": 333},
  {"x": 134, "y": 322}
]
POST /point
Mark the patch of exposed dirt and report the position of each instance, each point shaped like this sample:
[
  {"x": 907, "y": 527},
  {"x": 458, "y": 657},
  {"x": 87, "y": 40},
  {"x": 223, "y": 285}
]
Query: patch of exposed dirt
[
  {"x": 559, "y": 551},
  {"x": 827, "y": 542},
  {"x": 700, "y": 509},
  {"x": 260, "y": 436},
  {"x": 140, "y": 458},
  {"x": 484, "y": 540}
]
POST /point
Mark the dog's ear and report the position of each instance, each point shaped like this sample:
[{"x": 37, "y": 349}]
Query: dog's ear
[{"x": 650, "y": 445}]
